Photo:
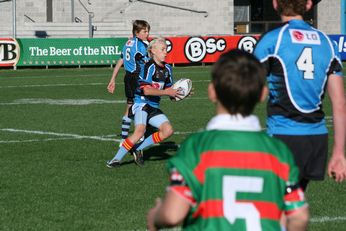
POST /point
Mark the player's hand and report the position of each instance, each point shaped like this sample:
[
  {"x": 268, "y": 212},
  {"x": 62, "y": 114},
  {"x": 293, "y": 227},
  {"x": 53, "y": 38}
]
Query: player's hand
[
  {"x": 111, "y": 87},
  {"x": 152, "y": 214},
  {"x": 337, "y": 168},
  {"x": 173, "y": 92}
]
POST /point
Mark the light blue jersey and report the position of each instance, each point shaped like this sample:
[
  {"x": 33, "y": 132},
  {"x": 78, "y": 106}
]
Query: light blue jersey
[
  {"x": 299, "y": 59},
  {"x": 134, "y": 54}
]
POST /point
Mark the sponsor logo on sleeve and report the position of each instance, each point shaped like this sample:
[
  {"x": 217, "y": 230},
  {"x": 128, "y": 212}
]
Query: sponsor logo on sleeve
[{"x": 130, "y": 43}]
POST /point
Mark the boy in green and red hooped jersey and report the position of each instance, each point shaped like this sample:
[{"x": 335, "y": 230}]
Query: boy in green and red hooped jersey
[{"x": 232, "y": 176}]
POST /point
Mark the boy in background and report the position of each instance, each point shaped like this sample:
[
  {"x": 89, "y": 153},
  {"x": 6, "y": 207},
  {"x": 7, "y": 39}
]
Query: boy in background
[
  {"x": 232, "y": 176},
  {"x": 134, "y": 55}
]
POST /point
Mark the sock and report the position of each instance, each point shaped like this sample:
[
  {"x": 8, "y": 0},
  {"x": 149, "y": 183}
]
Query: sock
[
  {"x": 125, "y": 147},
  {"x": 153, "y": 139},
  {"x": 125, "y": 127}
]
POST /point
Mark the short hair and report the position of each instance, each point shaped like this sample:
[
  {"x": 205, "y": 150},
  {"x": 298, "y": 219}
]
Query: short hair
[
  {"x": 138, "y": 25},
  {"x": 291, "y": 7},
  {"x": 153, "y": 43},
  {"x": 238, "y": 78}
]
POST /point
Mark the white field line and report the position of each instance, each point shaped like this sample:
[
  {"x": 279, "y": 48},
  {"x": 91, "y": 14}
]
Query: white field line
[
  {"x": 326, "y": 219},
  {"x": 177, "y": 74},
  {"x": 312, "y": 220},
  {"x": 77, "y": 102},
  {"x": 64, "y": 136},
  {"x": 56, "y": 85},
  {"x": 63, "y": 101},
  {"x": 74, "y": 84},
  {"x": 33, "y": 140}
]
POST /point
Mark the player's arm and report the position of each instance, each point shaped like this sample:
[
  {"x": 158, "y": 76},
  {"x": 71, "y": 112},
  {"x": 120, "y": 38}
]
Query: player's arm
[
  {"x": 295, "y": 205},
  {"x": 337, "y": 162},
  {"x": 111, "y": 84},
  {"x": 175, "y": 206},
  {"x": 296, "y": 209},
  {"x": 150, "y": 90},
  {"x": 169, "y": 212},
  {"x": 298, "y": 220}
]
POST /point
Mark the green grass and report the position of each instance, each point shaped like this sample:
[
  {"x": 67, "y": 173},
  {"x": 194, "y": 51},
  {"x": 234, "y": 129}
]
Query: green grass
[{"x": 52, "y": 156}]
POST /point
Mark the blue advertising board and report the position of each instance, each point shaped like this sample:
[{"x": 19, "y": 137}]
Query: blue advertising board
[{"x": 340, "y": 41}]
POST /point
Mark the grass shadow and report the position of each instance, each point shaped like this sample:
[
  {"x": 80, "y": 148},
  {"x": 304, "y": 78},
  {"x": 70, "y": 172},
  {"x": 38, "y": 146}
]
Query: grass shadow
[{"x": 160, "y": 152}]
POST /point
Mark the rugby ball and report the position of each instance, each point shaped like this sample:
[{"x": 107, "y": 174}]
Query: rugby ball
[{"x": 184, "y": 87}]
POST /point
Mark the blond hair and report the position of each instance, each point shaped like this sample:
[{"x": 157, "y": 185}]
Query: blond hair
[{"x": 153, "y": 43}]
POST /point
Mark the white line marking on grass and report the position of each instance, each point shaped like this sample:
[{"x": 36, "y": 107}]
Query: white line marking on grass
[
  {"x": 74, "y": 75},
  {"x": 78, "y": 102},
  {"x": 65, "y": 136},
  {"x": 63, "y": 101},
  {"x": 312, "y": 220},
  {"x": 75, "y": 84},
  {"x": 326, "y": 219},
  {"x": 78, "y": 75},
  {"x": 33, "y": 140},
  {"x": 56, "y": 85},
  {"x": 58, "y": 134}
]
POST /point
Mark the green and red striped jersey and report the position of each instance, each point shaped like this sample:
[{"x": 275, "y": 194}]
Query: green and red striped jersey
[{"x": 236, "y": 180}]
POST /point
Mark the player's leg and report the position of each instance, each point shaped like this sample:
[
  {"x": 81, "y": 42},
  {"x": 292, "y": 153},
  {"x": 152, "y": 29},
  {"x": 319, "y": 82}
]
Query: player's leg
[
  {"x": 165, "y": 130},
  {"x": 130, "y": 83},
  {"x": 140, "y": 118},
  {"x": 125, "y": 123}
]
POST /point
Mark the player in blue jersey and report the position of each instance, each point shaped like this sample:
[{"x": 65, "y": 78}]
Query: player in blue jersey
[
  {"x": 155, "y": 81},
  {"x": 302, "y": 64},
  {"x": 133, "y": 57}
]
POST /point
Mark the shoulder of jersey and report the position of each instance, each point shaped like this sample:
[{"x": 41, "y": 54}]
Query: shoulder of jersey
[{"x": 130, "y": 42}]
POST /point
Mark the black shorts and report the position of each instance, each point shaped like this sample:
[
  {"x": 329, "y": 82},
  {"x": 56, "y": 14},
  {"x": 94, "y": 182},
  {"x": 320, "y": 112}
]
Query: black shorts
[
  {"x": 152, "y": 111},
  {"x": 130, "y": 82},
  {"x": 310, "y": 153}
]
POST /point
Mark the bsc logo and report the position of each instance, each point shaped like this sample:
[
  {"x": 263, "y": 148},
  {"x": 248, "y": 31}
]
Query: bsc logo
[
  {"x": 247, "y": 43},
  {"x": 196, "y": 48},
  {"x": 9, "y": 52}
]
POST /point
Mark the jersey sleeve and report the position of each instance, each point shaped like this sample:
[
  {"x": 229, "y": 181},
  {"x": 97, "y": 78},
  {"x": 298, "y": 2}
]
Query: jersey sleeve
[
  {"x": 336, "y": 64},
  {"x": 265, "y": 49},
  {"x": 183, "y": 163},
  {"x": 178, "y": 185},
  {"x": 169, "y": 80}
]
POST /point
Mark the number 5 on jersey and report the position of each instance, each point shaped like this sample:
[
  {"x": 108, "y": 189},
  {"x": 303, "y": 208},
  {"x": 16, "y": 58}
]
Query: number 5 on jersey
[{"x": 241, "y": 210}]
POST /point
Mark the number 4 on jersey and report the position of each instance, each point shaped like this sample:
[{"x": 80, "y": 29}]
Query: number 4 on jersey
[{"x": 304, "y": 63}]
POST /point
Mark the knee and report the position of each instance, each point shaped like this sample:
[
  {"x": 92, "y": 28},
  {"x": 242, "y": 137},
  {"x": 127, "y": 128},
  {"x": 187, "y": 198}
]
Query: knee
[{"x": 166, "y": 131}]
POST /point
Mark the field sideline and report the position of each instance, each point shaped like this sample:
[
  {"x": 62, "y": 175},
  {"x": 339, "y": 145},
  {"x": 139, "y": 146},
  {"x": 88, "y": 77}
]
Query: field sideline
[{"x": 58, "y": 127}]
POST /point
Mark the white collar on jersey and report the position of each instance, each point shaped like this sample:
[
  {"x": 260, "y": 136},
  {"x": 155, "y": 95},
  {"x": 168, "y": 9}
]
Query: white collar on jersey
[{"x": 234, "y": 122}]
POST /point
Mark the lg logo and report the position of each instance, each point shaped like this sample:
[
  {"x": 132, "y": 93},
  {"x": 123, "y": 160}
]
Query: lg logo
[
  {"x": 9, "y": 52},
  {"x": 196, "y": 48}
]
